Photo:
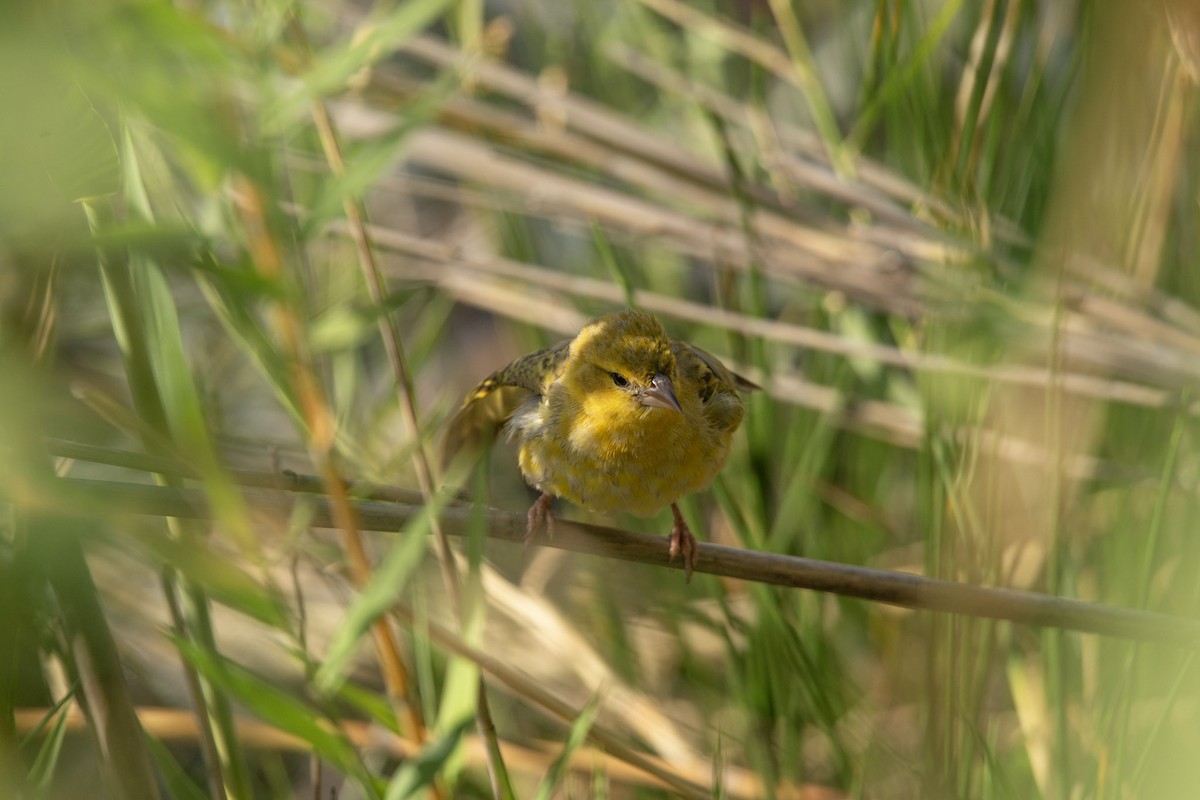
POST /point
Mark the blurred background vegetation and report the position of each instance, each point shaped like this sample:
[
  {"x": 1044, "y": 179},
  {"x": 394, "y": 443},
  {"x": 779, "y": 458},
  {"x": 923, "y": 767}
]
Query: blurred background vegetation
[{"x": 954, "y": 242}]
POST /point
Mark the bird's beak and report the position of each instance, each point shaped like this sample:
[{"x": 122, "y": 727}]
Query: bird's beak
[{"x": 661, "y": 394}]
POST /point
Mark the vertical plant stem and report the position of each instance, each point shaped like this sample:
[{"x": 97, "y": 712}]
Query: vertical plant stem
[
  {"x": 319, "y": 425},
  {"x": 218, "y": 742},
  {"x": 208, "y": 741},
  {"x": 16, "y": 642},
  {"x": 1057, "y": 678},
  {"x": 1142, "y": 582},
  {"x": 93, "y": 653},
  {"x": 810, "y": 85},
  {"x": 390, "y": 334}
]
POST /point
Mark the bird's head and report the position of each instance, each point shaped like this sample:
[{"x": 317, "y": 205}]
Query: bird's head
[{"x": 621, "y": 366}]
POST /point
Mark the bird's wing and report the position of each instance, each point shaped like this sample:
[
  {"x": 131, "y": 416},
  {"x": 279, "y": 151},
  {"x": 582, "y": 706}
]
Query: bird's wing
[
  {"x": 498, "y": 396},
  {"x": 708, "y": 372},
  {"x": 532, "y": 372},
  {"x": 717, "y": 385}
]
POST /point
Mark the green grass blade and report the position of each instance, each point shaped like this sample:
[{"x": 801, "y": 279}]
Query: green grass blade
[
  {"x": 41, "y": 773},
  {"x": 178, "y": 783},
  {"x": 415, "y": 774},
  {"x": 376, "y": 39},
  {"x": 387, "y": 584},
  {"x": 272, "y": 704},
  {"x": 576, "y": 736}
]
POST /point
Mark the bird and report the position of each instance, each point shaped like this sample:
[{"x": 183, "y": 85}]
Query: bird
[{"x": 620, "y": 418}]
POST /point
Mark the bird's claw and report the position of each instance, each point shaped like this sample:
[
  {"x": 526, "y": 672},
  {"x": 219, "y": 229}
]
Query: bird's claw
[
  {"x": 683, "y": 542},
  {"x": 541, "y": 515}
]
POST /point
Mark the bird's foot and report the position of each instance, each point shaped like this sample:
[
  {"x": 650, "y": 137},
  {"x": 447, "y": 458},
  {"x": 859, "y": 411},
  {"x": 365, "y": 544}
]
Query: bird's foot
[
  {"x": 683, "y": 542},
  {"x": 541, "y": 515}
]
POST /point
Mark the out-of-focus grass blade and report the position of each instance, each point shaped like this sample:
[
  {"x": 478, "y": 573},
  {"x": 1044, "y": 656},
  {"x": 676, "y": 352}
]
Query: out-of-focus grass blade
[
  {"x": 54, "y": 147},
  {"x": 375, "y": 39},
  {"x": 1152, "y": 739},
  {"x": 899, "y": 77},
  {"x": 347, "y": 327},
  {"x": 389, "y": 582},
  {"x": 616, "y": 267},
  {"x": 459, "y": 695},
  {"x": 167, "y": 66},
  {"x": 422, "y": 341},
  {"x": 90, "y": 649},
  {"x": 575, "y": 739},
  {"x": 462, "y": 683},
  {"x": 270, "y": 703},
  {"x": 366, "y": 163},
  {"x": 168, "y": 243},
  {"x": 718, "y": 767},
  {"x": 179, "y": 785},
  {"x": 223, "y": 290},
  {"x": 469, "y": 19},
  {"x": 796, "y": 499},
  {"x": 370, "y": 702},
  {"x": 42, "y": 771},
  {"x": 462, "y": 678},
  {"x": 182, "y": 403},
  {"x": 171, "y": 368},
  {"x": 83, "y": 160},
  {"x": 417, "y": 773},
  {"x": 223, "y": 579},
  {"x": 815, "y": 95},
  {"x": 342, "y": 328}
]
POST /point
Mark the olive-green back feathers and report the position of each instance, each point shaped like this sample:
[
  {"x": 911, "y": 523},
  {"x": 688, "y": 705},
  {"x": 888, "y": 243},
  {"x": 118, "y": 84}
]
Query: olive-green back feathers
[
  {"x": 709, "y": 372},
  {"x": 497, "y": 397}
]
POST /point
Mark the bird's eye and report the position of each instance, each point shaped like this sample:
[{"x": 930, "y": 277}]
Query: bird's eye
[{"x": 618, "y": 379}]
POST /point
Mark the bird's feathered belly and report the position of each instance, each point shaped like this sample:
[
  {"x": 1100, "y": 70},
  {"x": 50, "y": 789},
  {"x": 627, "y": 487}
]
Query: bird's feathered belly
[{"x": 613, "y": 469}]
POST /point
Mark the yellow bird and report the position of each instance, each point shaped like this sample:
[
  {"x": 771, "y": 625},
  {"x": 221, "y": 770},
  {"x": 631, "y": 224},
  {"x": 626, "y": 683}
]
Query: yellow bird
[{"x": 620, "y": 418}]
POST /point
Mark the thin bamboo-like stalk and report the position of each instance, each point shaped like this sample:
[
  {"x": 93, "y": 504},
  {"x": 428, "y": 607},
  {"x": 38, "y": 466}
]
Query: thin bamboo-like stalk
[
  {"x": 319, "y": 422},
  {"x": 176, "y": 726},
  {"x": 640, "y": 713},
  {"x": 871, "y": 186},
  {"x": 227, "y": 775},
  {"x": 356, "y": 221},
  {"x": 620, "y": 135},
  {"x": 96, "y": 663},
  {"x": 451, "y": 258},
  {"x": 876, "y": 585}
]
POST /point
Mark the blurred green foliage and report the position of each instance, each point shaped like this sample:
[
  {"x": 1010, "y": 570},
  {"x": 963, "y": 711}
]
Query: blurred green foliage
[{"x": 954, "y": 242}]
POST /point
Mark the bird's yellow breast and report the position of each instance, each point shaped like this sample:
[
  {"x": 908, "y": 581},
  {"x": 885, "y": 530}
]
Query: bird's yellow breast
[
  {"x": 608, "y": 454},
  {"x": 620, "y": 418}
]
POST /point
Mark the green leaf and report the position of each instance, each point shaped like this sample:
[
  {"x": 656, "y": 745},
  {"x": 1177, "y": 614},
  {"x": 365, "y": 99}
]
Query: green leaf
[
  {"x": 417, "y": 773},
  {"x": 371, "y": 703},
  {"x": 144, "y": 315},
  {"x": 220, "y": 577},
  {"x": 388, "y": 583},
  {"x": 458, "y": 699},
  {"x": 618, "y": 268},
  {"x": 575, "y": 738},
  {"x": 346, "y": 327},
  {"x": 271, "y": 704},
  {"x": 367, "y": 163},
  {"x": 54, "y": 147},
  {"x": 179, "y": 785},
  {"x": 374, "y": 41},
  {"x": 227, "y": 296},
  {"x": 184, "y": 408},
  {"x": 42, "y": 771}
]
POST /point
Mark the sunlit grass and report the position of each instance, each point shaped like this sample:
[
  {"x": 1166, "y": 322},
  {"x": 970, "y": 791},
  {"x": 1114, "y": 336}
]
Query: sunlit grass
[{"x": 953, "y": 244}]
